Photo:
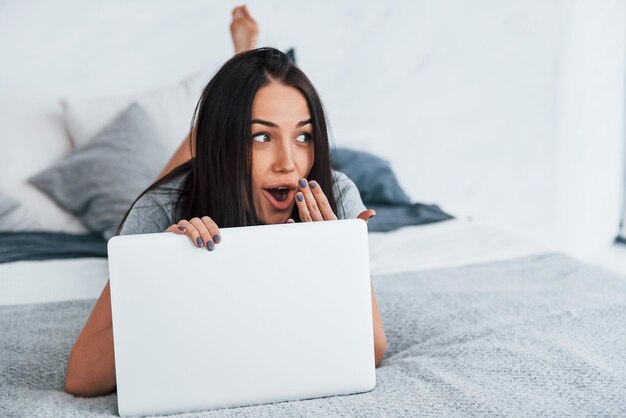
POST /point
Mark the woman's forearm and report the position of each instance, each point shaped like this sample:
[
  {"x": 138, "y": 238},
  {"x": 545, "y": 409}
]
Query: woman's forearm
[
  {"x": 380, "y": 341},
  {"x": 91, "y": 363}
]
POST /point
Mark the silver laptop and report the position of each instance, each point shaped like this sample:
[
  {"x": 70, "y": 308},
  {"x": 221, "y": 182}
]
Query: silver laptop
[{"x": 275, "y": 313}]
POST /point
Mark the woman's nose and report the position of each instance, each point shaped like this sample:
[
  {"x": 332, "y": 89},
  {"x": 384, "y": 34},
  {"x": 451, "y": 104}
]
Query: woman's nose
[{"x": 283, "y": 159}]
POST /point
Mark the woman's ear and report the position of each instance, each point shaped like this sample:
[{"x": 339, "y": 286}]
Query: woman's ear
[{"x": 366, "y": 215}]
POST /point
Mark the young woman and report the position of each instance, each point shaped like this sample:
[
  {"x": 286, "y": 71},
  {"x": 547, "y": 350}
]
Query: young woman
[{"x": 261, "y": 156}]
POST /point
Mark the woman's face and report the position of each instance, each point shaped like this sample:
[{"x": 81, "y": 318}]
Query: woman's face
[{"x": 282, "y": 150}]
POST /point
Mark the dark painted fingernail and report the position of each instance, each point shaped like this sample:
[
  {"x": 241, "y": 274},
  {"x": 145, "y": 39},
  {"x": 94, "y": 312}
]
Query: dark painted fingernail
[
  {"x": 302, "y": 183},
  {"x": 313, "y": 185},
  {"x": 199, "y": 242},
  {"x": 217, "y": 238},
  {"x": 182, "y": 228},
  {"x": 210, "y": 246},
  {"x": 299, "y": 197}
]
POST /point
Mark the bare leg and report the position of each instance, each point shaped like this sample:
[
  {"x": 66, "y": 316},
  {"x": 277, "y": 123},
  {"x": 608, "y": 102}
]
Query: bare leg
[{"x": 243, "y": 30}]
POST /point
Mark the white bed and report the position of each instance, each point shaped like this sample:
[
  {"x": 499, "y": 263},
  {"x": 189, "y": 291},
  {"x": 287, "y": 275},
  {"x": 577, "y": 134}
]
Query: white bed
[
  {"x": 478, "y": 323},
  {"x": 443, "y": 244}
]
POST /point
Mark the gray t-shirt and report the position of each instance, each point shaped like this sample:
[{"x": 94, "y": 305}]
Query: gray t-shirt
[{"x": 154, "y": 211}]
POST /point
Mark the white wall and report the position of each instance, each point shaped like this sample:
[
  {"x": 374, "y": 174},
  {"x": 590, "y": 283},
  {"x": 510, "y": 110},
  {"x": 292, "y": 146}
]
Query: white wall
[
  {"x": 510, "y": 113},
  {"x": 590, "y": 157}
]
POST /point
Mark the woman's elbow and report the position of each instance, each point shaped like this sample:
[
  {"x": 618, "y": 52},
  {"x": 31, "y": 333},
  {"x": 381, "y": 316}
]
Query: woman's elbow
[
  {"x": 73, "y": 386},
  {"x": 74, "y": 383},
  {"x": 79, "y": 381},
  {"x": 379, "y": 350},
  {"x": 79, "y": 387}
]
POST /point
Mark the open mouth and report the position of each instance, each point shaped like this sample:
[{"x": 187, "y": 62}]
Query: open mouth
[
  {"x": 280, "y": 194},
  {"x": 279, "y": 197}
]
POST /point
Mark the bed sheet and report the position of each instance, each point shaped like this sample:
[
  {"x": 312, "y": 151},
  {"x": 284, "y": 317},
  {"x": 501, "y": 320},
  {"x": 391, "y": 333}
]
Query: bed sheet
[
  {"x": 445, "y": 244},
  {"x": 439, "y": 245},
  {"x": 25, "y": 282},
  {"x": 542, "y": 335}
]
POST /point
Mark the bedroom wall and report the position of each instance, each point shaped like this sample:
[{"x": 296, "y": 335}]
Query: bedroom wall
[
  {"x": 509, "y": 113},
  {"x": 590, "y": 126}
]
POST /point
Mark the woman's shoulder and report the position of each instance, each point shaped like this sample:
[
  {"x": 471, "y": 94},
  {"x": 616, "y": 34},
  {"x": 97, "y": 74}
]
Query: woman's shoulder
[
  {"x": 155, "y": 210},
  {"x": 347, "y": 196}
]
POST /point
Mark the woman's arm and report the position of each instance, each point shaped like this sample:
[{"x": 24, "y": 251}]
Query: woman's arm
[
  {"x": 380, "y": 341},
  {"x": 91, "y": 364},
  {"x": 182, "y": 154}
]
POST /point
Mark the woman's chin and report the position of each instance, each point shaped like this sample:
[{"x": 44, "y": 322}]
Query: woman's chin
[
  {"x": 276, "y": 217},
  {"x": 267, "y": 213}
]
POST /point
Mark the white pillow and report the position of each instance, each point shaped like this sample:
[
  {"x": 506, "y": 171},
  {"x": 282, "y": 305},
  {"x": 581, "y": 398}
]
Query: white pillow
[
  {"x": 15, "y": 217},
  {"x": 171, "y": 108},
  {"x": 32, "y": 137}
]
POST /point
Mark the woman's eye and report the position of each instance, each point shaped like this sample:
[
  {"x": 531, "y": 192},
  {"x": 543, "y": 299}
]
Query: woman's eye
[
  {"x": 261, "y": 137},
  {"x": 304, "y": 137}
]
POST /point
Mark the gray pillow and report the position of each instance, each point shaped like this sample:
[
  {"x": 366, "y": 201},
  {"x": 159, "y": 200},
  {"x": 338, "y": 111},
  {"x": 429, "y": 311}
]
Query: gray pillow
[
  {"x": 99, "y": 181},
  {"x": 7, "y": 204},
  {"x": 372, "y": 175}
]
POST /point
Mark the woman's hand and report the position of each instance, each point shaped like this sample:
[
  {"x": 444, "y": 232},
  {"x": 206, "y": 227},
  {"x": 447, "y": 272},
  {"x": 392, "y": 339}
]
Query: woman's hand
[
  {"x": 204, "y": 232},
  {"x": 367, "y": 214},
  {"x": 313, "y": 204}
]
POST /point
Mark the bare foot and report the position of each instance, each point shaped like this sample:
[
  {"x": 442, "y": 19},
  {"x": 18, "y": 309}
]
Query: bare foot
[{"x": 243, "y": 29}]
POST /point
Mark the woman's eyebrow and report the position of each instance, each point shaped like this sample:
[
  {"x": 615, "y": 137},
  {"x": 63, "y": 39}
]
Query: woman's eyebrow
[
  {"x": 273, "y": 125},
  {"x": 264, "y": 122}
]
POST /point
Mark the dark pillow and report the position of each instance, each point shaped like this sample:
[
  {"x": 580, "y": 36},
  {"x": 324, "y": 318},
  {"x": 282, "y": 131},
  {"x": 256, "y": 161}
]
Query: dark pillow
[
  {"x": 99, "y": 181},
  {"x": 372, "y": 175},
  {"x": 391, "y": 217}
]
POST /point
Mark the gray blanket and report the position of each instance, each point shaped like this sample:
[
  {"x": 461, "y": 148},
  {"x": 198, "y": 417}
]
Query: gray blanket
[
  {"x": 541, "y": 335},
  {"x": 46, "y": 245}
]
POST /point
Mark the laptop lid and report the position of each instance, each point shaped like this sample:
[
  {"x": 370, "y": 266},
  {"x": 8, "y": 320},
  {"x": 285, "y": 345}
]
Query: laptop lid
[{"x": 275, "y": 313}]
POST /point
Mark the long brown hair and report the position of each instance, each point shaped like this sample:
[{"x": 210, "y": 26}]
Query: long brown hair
[{"x": 220, "y": 180}]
